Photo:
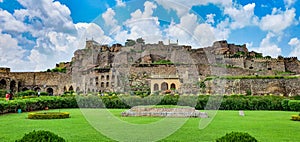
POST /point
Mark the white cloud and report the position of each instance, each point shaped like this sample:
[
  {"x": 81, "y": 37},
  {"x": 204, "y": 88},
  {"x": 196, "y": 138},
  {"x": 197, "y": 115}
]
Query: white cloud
[
  {"x": 289, "y": 3},
  {"x": 242, "y": 15},
  {"x": 110, "y": 21},
  {"x": 278, "y": 20},
  {"x": 11, "y": 52},
  {"x": 120, "y": 3},
  {"x": 57, "y": 37},
  {"x": 222, "y": 30},
  {"x": 46, "y": 15},
  {"x": 1, "y": 0},
  {"x": 141, "y": 24},
  {"x": 267, "y": 47},
  {"x": 108, "y": 17},
  {"x": 295, "y": 44},
  {"x": 210, "y": 18},
  {"x": 188, "y": 31},
  {"x": 10, "y": 23}
]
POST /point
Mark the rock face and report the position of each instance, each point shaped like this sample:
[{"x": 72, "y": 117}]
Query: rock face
[{"x": 164, "y": 112}]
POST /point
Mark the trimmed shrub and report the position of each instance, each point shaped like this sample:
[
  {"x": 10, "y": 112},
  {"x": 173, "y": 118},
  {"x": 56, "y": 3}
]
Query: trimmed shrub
[
  {"x": 2, "y": 93},
  {"x": 48, "y": 115},
  {"x": 294, "y": 105},
  {"x": 41, "y": 136},
  {"x": 26, "y": 93},
  {"x": 236, "y": 137},
  {"x": 295, "y": 117},
  {"x": 285, "y": 104}
]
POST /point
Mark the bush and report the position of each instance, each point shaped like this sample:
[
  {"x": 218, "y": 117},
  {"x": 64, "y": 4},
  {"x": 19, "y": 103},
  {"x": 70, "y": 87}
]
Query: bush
[
  {"x": 294, "y": 105},
  {"x": 2, "y": 93},
  {"x": 285, "y": 104},
  {"x": 295, "y": 117},
  {"x": 41, "y": 136},
  {"x": 48, "y": 115},
  {"x": 236, "y": 137},
  {"x": 26, "y": 93}
]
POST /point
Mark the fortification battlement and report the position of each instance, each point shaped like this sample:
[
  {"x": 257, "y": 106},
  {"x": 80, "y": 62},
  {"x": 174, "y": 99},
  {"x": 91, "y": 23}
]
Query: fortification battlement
[
  {"x": 4, "y": 70},
  {"x": 291, "y": 58},
  {"x": 267, "y": 59},
  {"x": 233, "y": 58}
]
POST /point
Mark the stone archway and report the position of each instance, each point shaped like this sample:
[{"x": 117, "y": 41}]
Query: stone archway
[
  {"x": 71, "y": 88},
  {"x": 77, "y": 89},
  {"x": 50, "y": 91},
  {"x": 37, "y": 89},
  {"x": 173, "y": 86},
  {"x": 156, "y": 87},
  {"x": 164, "y": 86},
  {"x": 13, "y": 86},
  {"x": 3, "y": 84}
]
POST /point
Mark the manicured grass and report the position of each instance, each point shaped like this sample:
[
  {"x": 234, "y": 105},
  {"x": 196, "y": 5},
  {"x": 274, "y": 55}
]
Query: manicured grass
[{"x": 263, "y": 125}]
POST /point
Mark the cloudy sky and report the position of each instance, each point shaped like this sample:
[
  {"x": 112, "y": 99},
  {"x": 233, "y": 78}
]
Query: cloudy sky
[{"x": 36, "y": 34}]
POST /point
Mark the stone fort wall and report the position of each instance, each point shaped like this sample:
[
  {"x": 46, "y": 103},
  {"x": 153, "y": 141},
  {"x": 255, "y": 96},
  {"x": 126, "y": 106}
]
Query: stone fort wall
[
  {"x": 285, "y": 87},
  {"x": 55, "y": 83}
]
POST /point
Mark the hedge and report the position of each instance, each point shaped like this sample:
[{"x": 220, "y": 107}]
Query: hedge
[
  {"x": 48, "y": 115},
  {"x": 294, "y": 105},
  {"x": 234, "y": 102}
]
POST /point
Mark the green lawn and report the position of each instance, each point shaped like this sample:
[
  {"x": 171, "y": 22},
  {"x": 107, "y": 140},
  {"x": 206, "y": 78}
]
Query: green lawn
[{"x": 265, "y": 126}]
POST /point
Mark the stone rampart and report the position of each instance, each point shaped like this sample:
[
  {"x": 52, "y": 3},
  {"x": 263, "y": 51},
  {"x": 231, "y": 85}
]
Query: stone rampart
[{"x": 254, "y": 86}]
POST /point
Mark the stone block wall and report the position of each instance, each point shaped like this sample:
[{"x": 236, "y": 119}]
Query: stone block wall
[{"x": 255, "y": 86}]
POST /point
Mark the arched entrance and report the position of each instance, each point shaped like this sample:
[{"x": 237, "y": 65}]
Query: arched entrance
[
  {"x": 50, "y": 91},
  {"x": 3, "y": 84},
  {"x": 155, "y": 87},
  {"x": 164, "y": 86},
  {"x": 71, "y": 88},
  {"x": 13, "y": 86},
  {"x": 173, "y": 86},
  {"x": 37, "y": 89},
  {"x": 77, "y": 89}
]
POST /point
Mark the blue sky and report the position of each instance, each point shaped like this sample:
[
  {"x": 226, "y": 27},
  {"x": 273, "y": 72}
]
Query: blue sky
[{"x": 37, "y": 34}]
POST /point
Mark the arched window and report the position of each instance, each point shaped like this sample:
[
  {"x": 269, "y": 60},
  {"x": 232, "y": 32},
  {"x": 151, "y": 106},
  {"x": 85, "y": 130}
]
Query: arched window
[
  {"x": 107, "y": 84},
  {"x": 155, "y": 87},
  {"x": 164, "y": 86},
  {"x": 77, "y": 89},
  {"x": 71, "y": 88},
  {"x": 102, "y": 84},
  {"x": 65, "y": 88},
  {"x": 37, "y": 89},
  {"x": 107, "y": 77},
  {"x": 173, "y": 86},
  {"x": 2, "y": 84}
]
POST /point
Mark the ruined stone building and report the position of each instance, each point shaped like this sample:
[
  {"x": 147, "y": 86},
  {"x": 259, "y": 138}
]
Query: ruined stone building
[{"x": 140, "y": 67}]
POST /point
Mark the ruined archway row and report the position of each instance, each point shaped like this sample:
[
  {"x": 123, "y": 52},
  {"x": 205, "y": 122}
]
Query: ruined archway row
[{"x": 9, "y": 84}]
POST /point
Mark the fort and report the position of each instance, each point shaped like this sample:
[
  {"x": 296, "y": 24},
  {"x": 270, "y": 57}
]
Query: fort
[{"x": 138, "y": 67}]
